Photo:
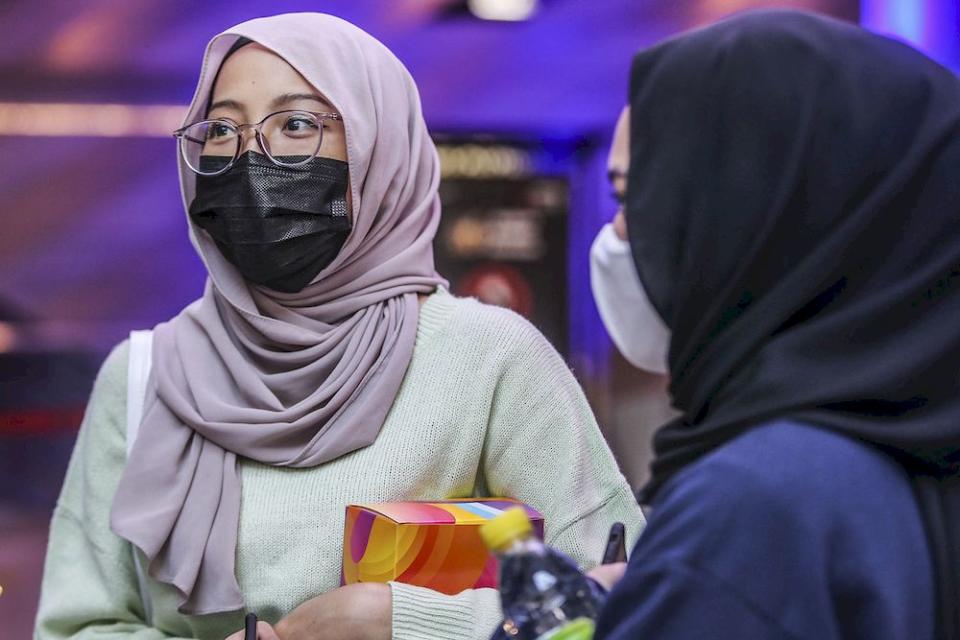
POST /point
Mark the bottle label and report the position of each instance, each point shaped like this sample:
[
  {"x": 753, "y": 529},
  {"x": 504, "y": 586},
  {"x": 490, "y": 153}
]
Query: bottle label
[{"x": 579, "y": 629}]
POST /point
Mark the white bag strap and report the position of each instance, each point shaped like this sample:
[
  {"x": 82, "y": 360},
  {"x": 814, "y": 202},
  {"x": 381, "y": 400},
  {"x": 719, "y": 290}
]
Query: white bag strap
[
  {"x": 141, "y": 359},
  {"x": 138, "y": 371}
]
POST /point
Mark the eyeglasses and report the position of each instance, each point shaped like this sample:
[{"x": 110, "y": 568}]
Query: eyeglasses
[{"x": 288, "y": 139}]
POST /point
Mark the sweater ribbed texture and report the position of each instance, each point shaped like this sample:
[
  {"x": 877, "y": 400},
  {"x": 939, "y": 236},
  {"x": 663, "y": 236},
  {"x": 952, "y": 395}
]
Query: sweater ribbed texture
[{"x": 487, "y": 408}]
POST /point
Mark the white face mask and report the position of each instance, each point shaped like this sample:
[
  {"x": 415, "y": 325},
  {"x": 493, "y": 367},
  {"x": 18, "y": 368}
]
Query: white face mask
[{"x": 631, "y": 320}]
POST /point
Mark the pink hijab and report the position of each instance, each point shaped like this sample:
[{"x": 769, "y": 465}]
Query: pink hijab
[{"x": 285, "y": 379}]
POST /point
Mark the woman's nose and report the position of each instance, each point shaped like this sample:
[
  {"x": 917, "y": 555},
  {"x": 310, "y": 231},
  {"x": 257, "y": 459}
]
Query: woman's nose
[{"x": 248, "y": 141}]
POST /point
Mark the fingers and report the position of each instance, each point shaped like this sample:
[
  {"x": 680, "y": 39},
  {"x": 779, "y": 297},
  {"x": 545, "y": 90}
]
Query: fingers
[
  {"x": 266, "y": 632},
  {"x": 608, "y": 575}
]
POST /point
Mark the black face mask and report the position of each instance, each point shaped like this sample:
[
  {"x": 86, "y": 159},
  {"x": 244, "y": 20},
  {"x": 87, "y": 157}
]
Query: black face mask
[{"x": 279, "y": 226}]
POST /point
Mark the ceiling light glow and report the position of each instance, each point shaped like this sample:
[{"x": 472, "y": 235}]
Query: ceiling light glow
[{"x": 503, "y": 10}]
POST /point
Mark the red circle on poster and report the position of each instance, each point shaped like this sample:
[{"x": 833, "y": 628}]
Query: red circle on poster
[{"x": 500, "y": 285}]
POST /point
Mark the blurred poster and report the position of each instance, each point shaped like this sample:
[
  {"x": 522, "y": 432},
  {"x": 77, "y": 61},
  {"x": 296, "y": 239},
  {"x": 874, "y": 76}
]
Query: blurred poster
[{"x": 503, "y": 233}]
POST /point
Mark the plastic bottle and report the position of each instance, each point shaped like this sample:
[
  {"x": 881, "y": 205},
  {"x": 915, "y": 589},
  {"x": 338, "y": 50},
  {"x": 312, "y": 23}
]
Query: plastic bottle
[{"x": 543, "y": 593}]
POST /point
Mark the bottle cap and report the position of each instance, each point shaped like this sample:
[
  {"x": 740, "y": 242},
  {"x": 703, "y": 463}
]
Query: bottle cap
[{"x": 510, "y": 526}]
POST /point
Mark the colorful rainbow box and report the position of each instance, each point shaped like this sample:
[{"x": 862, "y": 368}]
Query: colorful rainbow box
[{"x": 429, "y": 544}]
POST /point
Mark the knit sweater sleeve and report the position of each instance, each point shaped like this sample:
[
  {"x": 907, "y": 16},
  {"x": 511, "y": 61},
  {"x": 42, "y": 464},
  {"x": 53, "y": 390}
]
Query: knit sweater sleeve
[
  {"x": 89, "y": 588},
  {"x": 543, "y": 447}
]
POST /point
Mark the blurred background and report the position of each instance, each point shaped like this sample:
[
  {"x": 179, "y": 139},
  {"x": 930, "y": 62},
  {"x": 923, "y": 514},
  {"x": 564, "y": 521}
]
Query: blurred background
[{"x": 521, "y": 96}]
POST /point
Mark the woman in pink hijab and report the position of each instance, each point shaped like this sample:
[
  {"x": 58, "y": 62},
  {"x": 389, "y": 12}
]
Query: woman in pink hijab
[{"x": 325, "y": 364}]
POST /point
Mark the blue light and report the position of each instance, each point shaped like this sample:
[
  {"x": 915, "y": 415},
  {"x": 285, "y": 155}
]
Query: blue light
[
  {"x": 902, "y": 18},
  {"x": 933, "y": 26},
  {"x": 907, "y": 19}
]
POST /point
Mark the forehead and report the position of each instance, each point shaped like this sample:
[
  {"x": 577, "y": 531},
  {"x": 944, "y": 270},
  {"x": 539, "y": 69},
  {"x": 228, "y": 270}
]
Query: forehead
[{"x": 254, "y": 69}]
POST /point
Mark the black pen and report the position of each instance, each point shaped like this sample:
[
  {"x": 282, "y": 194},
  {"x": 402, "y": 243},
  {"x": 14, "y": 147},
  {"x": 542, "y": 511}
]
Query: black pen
[
  {"x": 250, "y": 627},
  {"x": 616, "y": 550}
]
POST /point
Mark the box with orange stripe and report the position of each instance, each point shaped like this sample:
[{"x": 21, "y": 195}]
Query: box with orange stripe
[{"x": 429, "y": 544}]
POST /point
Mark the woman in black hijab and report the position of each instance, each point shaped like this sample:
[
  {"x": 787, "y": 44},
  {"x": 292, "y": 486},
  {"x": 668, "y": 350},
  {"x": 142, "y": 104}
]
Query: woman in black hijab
[{"x": 793, "y": 210}]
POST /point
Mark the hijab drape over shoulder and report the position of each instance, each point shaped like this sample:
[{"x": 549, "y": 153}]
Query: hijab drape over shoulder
[
  {"x": 286, "y": 379},
  {"x": 794, "y": 212}
]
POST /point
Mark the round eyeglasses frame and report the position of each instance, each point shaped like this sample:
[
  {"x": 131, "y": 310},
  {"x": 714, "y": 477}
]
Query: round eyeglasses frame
[{"x": 182, "y": 136}]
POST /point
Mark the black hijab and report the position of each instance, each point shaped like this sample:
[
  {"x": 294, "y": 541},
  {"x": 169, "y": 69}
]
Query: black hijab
[{"x": 794, "y": 212}]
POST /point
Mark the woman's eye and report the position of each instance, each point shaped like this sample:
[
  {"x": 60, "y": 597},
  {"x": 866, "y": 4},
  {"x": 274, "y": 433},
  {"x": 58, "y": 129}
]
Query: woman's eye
[
  {"x": 301, "y": 126},
  {"x": 218, "y": 131}
]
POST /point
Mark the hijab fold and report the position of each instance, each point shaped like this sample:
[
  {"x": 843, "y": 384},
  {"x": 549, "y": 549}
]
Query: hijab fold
[
  {"x": 285, "y": 379},
  {"x": 793, "y": 208}
]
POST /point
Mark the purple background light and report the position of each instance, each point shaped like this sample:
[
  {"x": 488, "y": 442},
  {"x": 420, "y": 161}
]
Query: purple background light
[{"x": 933, "y": 26}]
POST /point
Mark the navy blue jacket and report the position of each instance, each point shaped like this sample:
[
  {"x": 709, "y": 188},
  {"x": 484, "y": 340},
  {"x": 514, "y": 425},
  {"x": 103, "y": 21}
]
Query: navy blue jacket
[{"x": 787, "y": 531}]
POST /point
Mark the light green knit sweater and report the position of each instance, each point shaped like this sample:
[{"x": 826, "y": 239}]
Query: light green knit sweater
[{"x": 487, "y": 408}]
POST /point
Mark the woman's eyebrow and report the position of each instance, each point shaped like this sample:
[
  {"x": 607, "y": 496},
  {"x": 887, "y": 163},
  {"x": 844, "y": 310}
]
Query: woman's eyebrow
[
  {"x": 229, "y": 104},
  {"x": 287, "y": 98}
]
